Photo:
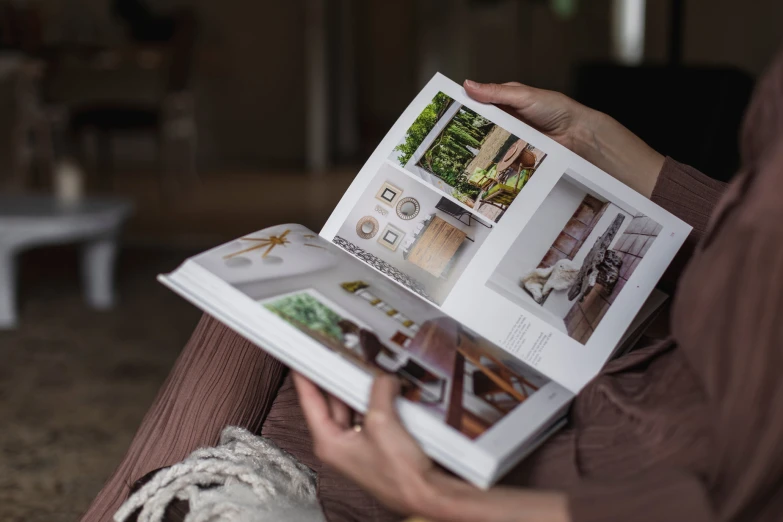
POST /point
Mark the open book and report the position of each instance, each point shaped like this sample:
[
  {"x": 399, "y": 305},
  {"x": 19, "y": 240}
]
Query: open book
[{"x": 491, "y": 269}]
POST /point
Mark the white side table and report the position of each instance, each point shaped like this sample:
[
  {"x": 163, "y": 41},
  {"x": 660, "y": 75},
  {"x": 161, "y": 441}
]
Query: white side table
[{"x": 28, "y": 221}]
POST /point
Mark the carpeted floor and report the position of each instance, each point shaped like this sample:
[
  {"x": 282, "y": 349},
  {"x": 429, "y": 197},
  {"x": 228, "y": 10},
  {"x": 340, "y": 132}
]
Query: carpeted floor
[{"x": 75, "y": 383}]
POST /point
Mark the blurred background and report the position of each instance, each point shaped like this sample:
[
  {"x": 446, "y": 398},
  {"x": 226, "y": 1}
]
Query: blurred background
[{"x": 134, "y": 133}]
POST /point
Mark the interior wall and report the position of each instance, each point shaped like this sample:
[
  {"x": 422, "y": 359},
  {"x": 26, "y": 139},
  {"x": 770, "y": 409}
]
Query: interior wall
[
  {"x": 540, "y": 232},
  {"x": 251, "y": 82},
  {"x": 327, "y": 282},
  {"x": 532, "y": 244},
  {"x": 249, "y": 68},
  {"x": 386, "y": 63},
  {"x": 719, "y": 32}
]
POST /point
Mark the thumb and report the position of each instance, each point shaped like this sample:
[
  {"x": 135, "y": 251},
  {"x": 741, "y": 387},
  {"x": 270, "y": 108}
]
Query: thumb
[
  {"x": 381, "y": 416},
  {"x": 511, "y": 94}
]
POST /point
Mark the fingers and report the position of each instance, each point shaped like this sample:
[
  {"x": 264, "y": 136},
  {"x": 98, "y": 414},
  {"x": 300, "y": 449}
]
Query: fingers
[
  {"x": 384, "y": 391},
  {"x": 513, "y": 94},
  {"x": 316, "y": 409},
  {"x": 381, "y": 419},
  {"x": 341, "y": 413},
  {"x": 328, "y": 417}
]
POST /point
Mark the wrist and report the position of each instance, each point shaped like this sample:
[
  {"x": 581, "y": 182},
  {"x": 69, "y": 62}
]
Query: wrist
[
  {"x": 613, "y": 148},
  {"x": 441, "y": 497},
  {"x": 453, "y": 500}
]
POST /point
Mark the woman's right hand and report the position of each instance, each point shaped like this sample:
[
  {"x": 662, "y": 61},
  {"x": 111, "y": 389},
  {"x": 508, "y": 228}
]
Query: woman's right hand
[{"x": 593, "y": 135}]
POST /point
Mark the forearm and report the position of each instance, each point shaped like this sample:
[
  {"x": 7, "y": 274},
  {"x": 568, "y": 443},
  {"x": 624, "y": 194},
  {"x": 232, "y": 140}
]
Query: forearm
[
  {"x": 452, "y": 500},
  {"x": 604, "y": 142}
]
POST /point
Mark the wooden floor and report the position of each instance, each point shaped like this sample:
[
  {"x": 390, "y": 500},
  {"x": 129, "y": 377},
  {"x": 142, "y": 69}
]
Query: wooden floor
[{"x": 583, "y": 317}]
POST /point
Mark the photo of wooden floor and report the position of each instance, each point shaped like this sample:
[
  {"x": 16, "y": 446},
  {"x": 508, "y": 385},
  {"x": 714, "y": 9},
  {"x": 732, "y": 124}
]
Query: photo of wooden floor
[{"x": 574, "y": 257}]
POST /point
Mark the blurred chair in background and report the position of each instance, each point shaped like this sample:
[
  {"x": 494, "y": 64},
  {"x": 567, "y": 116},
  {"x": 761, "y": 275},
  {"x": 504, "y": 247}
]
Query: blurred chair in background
[{"x": 166, "y": 109}]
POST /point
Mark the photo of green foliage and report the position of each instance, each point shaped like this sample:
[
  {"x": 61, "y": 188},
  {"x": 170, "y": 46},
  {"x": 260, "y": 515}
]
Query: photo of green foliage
[
  {"x": 467, "y": 156},
  {"x": 454, "y": 148},
  {"x": 305, "y": 310}
]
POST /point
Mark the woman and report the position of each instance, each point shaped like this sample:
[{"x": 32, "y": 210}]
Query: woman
[{"x": 688, "y": 429}]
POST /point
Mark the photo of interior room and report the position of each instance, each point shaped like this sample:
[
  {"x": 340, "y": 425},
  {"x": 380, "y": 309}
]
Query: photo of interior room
[
  {"x": 463, "y": 154},
  {"x": 450, "y": 371},
  {"x": 364, "y": 317},
  {"x": 574, "y": 257},
  {"x": 412, "y": 233}
]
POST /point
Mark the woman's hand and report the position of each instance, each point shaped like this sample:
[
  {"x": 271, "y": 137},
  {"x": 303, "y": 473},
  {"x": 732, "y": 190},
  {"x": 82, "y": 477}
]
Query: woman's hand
[
  {"x": 387, "y": 462},
  {"x": 383, "y": 458},
  {"x": 595, "y": 136}
]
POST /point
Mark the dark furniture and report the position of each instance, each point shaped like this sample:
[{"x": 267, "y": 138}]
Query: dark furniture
[
  {"x": 169, "y": 118},
  {"x": 36, "y": 220},
  {"x": 447, "y": 206}
]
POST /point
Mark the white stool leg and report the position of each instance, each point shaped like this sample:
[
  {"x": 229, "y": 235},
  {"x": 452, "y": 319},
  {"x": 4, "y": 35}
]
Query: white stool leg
[
  {"x": 7, "y": 290},
  {"x": 98, "y": 272}
]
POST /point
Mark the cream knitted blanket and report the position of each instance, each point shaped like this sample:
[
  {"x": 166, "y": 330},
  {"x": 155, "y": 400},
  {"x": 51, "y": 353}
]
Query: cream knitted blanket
[{"x": 245, "y": 478}]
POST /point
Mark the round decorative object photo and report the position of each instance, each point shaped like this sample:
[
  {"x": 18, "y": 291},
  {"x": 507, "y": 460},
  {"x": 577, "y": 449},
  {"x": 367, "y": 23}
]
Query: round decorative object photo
[
  {"x": 367, "y": 227},
  {"x": 408, "y": 208}
]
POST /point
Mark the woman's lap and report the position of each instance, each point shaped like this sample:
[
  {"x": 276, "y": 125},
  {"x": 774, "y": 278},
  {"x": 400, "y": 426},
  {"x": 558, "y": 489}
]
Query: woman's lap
[
  {"x": 222, "y": 379},
  {"x": 219, "y": 379}
]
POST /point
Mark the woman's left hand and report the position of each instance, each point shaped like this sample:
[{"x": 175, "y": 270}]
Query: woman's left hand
[{"x": 380, "y": 455}]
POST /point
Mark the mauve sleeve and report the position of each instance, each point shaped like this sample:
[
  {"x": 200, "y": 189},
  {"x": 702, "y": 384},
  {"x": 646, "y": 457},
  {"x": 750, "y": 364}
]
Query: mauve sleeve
[
  {"x": 219, "y": 379},
  {"x": 727, "y": 324},
  {"x": 688, "y": 194},
  {"x": 691, "y": 196},
  {"x": 669, "y": 496}
]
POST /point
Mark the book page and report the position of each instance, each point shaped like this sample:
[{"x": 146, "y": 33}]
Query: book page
[
  {"x": 501, "y": 227},
  {"x": 335, "y": 311}
]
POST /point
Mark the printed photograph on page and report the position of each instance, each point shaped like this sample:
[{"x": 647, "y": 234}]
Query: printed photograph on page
[
  {"x": 359, "y": 315},
  {"x": 479, "y": 164},
  {"x": 574, "y": 257},
  {"x": 412, "y": 233}
]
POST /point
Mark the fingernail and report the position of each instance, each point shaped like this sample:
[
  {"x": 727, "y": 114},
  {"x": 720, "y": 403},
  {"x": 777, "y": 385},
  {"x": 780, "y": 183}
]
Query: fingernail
[{"x": 472, "y": 84}]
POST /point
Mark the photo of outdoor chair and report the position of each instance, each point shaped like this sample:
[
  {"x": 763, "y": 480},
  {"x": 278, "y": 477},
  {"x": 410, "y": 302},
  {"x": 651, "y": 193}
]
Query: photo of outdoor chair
[{"x": 478, "y": 163}]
